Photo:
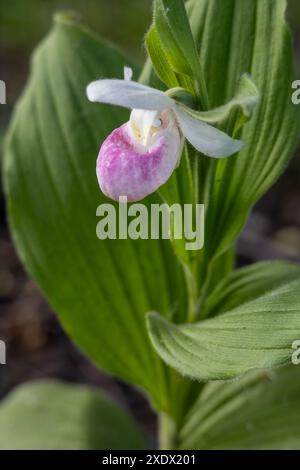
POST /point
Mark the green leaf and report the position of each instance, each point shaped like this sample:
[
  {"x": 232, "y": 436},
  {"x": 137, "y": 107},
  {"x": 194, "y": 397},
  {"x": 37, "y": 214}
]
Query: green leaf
[
  {"x": 247, "y": 284},
  {"x": 177, "y": 42},
  {"x": 159, "y": 59},
  {"x": 256, "y": 335},
  {"x": 173, "y": 29},
  {"x": 58, "y": 416},
  {"x": 250, "y": 36},
  {"x": 259, "y": 411},
  {"x": 237, "y": 111},
  {"x": 101, "y": 289}
]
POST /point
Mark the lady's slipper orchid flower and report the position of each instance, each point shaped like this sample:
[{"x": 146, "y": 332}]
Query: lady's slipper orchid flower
[{"x": 141, "y": 155}]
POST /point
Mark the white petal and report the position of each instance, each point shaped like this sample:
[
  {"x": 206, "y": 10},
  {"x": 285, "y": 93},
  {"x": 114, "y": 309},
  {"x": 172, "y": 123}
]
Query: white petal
[
  {"x": 128, "y": 73},
  {"x": 128, "y": 94},
  {"x": 205, "y": 138}
]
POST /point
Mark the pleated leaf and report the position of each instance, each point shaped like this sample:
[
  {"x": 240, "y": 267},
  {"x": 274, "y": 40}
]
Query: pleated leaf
[
  {"x": 159, "y": 59},
  {"x": 100, "y": 289},
  {"x": 177, "y": 45},
  {"x": 235, "y": 38},
  {"x": 248, "y": 37},
  {"x": 173, "y": 30},
  {"x": 239, "y": 109},
  {"x": 256, "y": 335},
  {"x": 260, "y": 411},
  {"x": 248, "y": 283}
]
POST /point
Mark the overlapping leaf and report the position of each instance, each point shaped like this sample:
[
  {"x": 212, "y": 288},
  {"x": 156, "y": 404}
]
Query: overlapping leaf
[
  {"x": 246, "y": 36},
  {"x": 172, "y": 30},
  {"x": 243, "y": 36},
  {"x": 57, "y": 416},
  {"x": 159, "y": 59},
  {"x": 100, "y": 289},
  {"x": 259, "y": 411},
  {"x": 238, "y": 110},
  {"x": 256, "y": 335},
  {"x": 248, "y": 283}
]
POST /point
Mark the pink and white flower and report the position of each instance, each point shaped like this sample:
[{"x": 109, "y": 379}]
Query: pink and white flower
[{"x": 141, "y": 155}]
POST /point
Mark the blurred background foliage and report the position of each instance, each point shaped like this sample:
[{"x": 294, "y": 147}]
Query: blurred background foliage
[
  {"x": 37, "y": 347},
  {"x": 23, "y": 23}
]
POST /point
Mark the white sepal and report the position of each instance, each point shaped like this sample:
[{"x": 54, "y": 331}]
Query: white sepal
[
  {"x": 128, "y": 94},
  {"x": 205, "y": 138}
]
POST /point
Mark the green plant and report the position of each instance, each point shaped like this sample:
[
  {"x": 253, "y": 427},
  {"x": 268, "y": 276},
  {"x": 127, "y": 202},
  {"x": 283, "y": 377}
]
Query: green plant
[{"x": 212, "y": 323}]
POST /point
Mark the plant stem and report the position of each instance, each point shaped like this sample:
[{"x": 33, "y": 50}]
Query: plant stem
[
  {"x": 191, "y": 291},
  {"x": 167, "y": 432}
]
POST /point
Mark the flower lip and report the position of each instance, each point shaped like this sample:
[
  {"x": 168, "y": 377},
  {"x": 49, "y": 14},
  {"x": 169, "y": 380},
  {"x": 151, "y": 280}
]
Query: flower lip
[{"x": 123, "y": 169}]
